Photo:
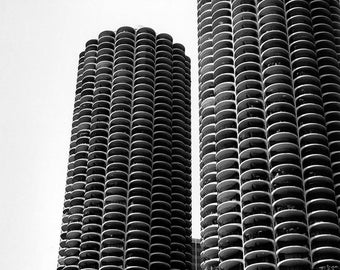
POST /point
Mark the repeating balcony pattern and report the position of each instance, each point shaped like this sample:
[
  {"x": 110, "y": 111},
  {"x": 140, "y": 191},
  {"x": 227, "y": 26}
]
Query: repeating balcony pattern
[
  {"x": 326, "y": 242},
  {"x": 83, "y": 125},
  {"x": 288, "y": 200},
  {"x": 230, "y": 251},
  {"x": 96, "y": 166},
  {"x": 251, "y": 81},
  {"x": 276, "y": 172},
  {"x": 127, "y": 202},
  {"x": 334, "y": 9},
  {"x": 181, "y": 249},
  {"x": 68, "y": 189},
  {"x": 161, "y": 171},
  {"x": 116, "y": 184},
  {"x": 209, "y": 234}
]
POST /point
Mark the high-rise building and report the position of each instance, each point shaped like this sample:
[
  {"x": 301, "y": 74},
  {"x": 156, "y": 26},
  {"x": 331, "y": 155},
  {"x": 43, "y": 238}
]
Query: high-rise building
[
  {"x": 128, "y": 199},
  {"x": 196, "y": 254},
  {"x": 269, "y": 86}
]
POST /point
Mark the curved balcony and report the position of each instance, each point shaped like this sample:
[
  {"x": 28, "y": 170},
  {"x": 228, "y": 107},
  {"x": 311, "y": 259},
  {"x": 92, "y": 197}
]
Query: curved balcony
[
  {"x": 294, "y": 256},
  {"x": 253, "y": 221},
  {"x": 326, "y": 255},
  {"x": 256, "y": 258},
  {"x": 230, "y": 253},
  {"x": 290, "y": 227}
]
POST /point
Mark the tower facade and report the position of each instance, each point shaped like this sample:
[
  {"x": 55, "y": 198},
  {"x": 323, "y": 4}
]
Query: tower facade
[
  {"x": 128, "y": 199},
  {"x": 269, "y": 86}
]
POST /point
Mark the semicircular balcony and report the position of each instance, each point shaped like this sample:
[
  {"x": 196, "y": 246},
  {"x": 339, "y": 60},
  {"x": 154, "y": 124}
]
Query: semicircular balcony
[
  {"x": 289, "y": 202},
  {"x": 228, "y": 179},
  {"x": 278, "y": 48},
  {"x": 209, "y": 262},
  {"x": 251, "y": 224},
  {"x": 255, "y": 196},
  {"x": 281, "y": 116},
  {"x": 229, "y": 218},
  {"x": 250, "y": 112},
  {"x": 257, "y": 232},
  {"x": 249, "y": 101},
  {"x": 71, "y": 262},
  {"x": 234, "y": 263},
  {"x": 325, "y": 238},
  {"x": 254, "y": 174},
  {"x": 326, "y": 255},
  {"x": 229, "y": 229},
  {"x": 253, "y": 164},
  {"x": 266, "y": 16},
  {"x": 255, "y": 184},
  {"x": 290, "y": 214},
  {"x": 251, "y": 153},
  {"x": 226, "y": 125},
  {"x": 274, "y": 7},
  {"x": 301, "y": 36},
  {"x": 253, "y": 259},
  {"x": 282, "y": 148},
  {"x": 317, "y": 170},
  {"x": 284, "y": 158},
  {"x": 275, "y": 66},
  {"x": 113, "y": 262},
  {"x": 247, "y": 51},
  {"x": 300, "y": 62},
  {"x": 248, "y": 21},
  {"x": 251, "y": 132},
  {"x": 252, "y": 60},
  {"x": 88, "y": 258},
  {"x": 248, "y": 84},
  {"x": 290, "y": 228},
  {"x": 230, "y": 253},
  {"x": 228, "y": 206},
  {"x": 321, "y": 191},
  {"x": 256, "y": 208},
  {"x": 227, "y": 163},
  {"x": 136, "y": 257},
  {"x": 276, "y": 78},
  {"x": 321, "y": 204},
  {"x": 305, "y": 101},
  {"x": 251, "y": 135},
  {"x": 225, "y": 153},
  {"x": 292, "y": 256},
  {"x": 113, "y": 234},
  {"x": 226, "y": 143},
  {"x": 209, "y": 219},
  {"x": 209, "y": 208}
]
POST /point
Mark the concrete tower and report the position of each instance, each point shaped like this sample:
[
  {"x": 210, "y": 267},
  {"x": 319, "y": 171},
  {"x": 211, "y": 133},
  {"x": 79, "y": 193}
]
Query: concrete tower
[
  {"x": 269, "y": 86},
  {"x": 128, "y": 199}
]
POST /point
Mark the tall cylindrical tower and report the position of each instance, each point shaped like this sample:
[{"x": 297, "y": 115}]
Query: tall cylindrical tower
[
  {"x": 269, "y": 125},
  {"x": 128, "y": 192}
]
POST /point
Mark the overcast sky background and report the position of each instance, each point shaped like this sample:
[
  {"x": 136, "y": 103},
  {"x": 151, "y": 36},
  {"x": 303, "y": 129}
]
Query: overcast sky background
[{"x": 40, "y": 44}]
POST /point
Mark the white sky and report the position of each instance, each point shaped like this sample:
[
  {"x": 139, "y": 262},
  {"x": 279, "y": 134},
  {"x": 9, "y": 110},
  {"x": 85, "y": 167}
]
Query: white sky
[{"x": 40, "y": 41}]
